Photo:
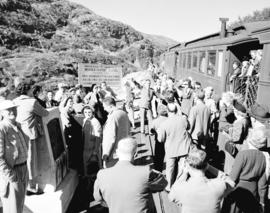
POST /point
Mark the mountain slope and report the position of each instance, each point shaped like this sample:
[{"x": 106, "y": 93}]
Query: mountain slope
[{"x": 52, "y": 36}]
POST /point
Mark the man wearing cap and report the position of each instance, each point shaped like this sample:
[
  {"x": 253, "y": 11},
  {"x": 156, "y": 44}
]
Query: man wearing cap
[
  {"x": 199, "y": 120},
  {"x": 13, "y": 157},
  {"x": 173, "y": 132}
]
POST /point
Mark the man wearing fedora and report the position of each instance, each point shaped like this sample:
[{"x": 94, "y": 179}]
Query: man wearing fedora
[
  {"x": 13, "y": 157},
  {"x": 260, "y": 117}
]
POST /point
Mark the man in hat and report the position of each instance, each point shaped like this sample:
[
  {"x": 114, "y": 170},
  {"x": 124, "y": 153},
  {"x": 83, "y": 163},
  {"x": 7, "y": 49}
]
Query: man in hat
[
  {"x": 13, "y": 157},
  {"x": 237, "y": 135},
  {"x": 260, "y": 117}
]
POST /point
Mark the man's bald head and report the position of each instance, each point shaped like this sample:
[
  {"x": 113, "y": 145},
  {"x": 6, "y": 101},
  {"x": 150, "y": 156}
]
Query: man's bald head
[
  {"x": 126, "y": 148},
  {"x": 172, "y": 108}
]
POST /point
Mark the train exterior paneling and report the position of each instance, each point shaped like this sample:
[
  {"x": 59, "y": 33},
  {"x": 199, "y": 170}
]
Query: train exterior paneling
[
  {"x": 217, "y": 54},
  {"x": 204, "y": 80},
  {"x": 195, "y": 63}
]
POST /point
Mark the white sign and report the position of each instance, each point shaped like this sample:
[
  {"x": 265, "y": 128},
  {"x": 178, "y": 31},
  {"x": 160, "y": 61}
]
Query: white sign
[{"x": 96, "y": 73}]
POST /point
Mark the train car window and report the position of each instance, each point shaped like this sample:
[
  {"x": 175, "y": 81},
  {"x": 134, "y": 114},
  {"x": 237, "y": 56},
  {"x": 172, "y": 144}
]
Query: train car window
[
  {"x": 211, "y": 66},
  {"x": 189, "y": 61},
  {"x": 184, "y": 60},
  {"x": 180, "y": 60},
  {"x": 194, "y": 60},
  {"x": 220, "y": 62},
  {"x": 202, "y": 61}
]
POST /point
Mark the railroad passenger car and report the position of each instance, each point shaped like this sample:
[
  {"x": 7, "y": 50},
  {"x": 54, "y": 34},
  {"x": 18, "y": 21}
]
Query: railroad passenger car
[{"x": 209, "y": 59}]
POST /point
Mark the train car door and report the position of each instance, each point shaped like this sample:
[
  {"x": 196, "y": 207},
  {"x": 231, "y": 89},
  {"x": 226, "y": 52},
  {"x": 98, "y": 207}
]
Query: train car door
[{"x": 242, "y": 52}]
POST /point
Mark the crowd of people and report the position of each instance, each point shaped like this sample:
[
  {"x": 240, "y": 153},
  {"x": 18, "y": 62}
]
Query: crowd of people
[
  {"x": 214, "y": 151},
  {"x": 245, "y": 70}
]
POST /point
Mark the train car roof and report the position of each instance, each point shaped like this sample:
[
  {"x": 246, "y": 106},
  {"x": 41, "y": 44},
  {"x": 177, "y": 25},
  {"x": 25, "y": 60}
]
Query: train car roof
[{"x": 241, "y": 33}]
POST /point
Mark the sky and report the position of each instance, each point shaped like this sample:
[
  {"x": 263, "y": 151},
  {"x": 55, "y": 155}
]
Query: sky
[{"x": 181, "y": 20}]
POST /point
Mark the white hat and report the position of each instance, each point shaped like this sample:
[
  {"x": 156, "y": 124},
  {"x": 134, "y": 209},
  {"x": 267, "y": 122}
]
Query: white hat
[{"x": 7, "y": 104}]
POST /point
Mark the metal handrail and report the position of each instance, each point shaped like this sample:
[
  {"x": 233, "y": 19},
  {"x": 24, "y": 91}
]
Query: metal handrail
[{"x": 248, "y": 89}]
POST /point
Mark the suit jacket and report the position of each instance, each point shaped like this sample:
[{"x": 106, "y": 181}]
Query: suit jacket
[
  {"x": 8, "y": 155},
  {"x": 126, "y": 188},
  {"x": 199, "y": 120},
  {"x": 173, "y": 131},
  {"x": 29, "y": 113},
  {"x": 116, "y": 127},
  {"x": 199, "y": 194}
]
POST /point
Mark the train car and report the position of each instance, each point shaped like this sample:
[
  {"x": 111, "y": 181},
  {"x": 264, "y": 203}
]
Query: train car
[{"x": 209, "y": 59}]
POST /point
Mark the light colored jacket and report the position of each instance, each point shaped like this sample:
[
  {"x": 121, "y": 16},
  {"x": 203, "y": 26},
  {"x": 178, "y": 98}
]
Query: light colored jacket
[
  {"x": 197, "y": 195},
  {"x": 173, "y": 131},
  {"x": 29, "y": 113},
  {"x": 8, "y": 155},
  {"x": 116, "y": 128},
  {"x": 126, "y": 188},
  {"x": 199, "y": 120}
]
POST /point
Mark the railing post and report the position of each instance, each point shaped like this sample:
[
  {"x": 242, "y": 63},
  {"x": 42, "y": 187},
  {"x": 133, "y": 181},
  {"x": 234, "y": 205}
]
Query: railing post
[{"x": 246, "y": 92}]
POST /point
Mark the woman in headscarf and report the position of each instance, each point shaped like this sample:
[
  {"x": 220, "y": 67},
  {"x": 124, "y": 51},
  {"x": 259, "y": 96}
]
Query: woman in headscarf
[
  {"x": 249, "y": 174},
  {"x": 237, "y": 134}
]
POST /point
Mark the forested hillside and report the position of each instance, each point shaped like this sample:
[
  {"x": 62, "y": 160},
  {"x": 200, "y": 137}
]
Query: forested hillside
[{"x": 47, "y": 38}]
